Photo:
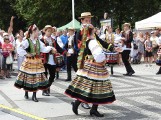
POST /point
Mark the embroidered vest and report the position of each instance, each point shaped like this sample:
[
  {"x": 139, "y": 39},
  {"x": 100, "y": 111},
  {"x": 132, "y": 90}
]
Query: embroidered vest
[{"x": 33, "y": 48}]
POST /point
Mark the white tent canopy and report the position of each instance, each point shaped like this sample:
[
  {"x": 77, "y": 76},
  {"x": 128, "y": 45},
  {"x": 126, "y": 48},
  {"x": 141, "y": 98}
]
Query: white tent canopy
[{"x": 149, "y": 23}]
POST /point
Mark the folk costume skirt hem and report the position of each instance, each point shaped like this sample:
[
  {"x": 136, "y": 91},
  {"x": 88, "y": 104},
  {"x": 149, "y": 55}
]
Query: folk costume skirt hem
[
  {"x": 91, "y": 91},
  {"x": 31, "y": 83}
]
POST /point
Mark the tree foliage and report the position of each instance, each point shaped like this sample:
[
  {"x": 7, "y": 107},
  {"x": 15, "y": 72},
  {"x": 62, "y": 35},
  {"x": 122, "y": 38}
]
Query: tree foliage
[{"x": 5, "y": 13}]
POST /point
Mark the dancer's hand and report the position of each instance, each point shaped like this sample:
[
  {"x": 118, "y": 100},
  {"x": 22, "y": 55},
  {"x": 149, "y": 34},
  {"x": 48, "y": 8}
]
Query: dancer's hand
[
  {"x": 12, "y": 17},
  {"x": 104, "y": 62},
  {"x": 54, "y": 50},
  {"x": 68, "y": 54}
]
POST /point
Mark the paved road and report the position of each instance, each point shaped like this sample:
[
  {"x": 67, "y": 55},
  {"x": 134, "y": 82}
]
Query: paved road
[{"x": 138, "y": 98}]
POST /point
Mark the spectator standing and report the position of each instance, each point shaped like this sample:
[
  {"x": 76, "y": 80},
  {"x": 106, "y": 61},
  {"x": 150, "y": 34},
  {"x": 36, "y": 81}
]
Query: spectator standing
[
  {"x": 7, "y": 49},
  {"x": 110, "y": 37},
  {"x": 155, "y": 46},
  {"x": 64, "y": 39},
  {"x": 141, "y": 47},
  {"x": 148, "y": 51}
]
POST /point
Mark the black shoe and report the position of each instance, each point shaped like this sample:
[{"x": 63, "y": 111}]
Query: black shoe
[
  {"x": 131, "y": 73},
  {"x": 126, "y": 74},
  {"x": 85, "y": 106},
  {"x": 68, "y": 80},
  {"x": 74, "y": 108},
  {"x": 48, "y": 91},
  {"x": 45, "y": 94},
  {"x": 96, "y": 113},
  {"x": 158, "y": 73},
  {"x": 26, "y": 95},
  {"x": 34, "y": 97}
]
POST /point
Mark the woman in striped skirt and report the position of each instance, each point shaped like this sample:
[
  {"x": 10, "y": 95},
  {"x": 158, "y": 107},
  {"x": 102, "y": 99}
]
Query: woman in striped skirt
[
  {"x": 92, "y": 84},
  {"x": 31, "y": 75}
]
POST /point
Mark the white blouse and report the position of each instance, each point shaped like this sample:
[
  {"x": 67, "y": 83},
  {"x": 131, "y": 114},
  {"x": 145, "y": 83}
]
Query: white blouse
[
  {"x": 43, "y": 48},
  {"x": 96, "y": 51}
]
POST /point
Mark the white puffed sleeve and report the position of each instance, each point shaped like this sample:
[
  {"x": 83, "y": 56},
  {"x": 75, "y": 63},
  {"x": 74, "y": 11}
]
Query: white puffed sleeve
[
  {"x": 96, "y": 51},
  {"x": 24, "y": 44},
  {"x": 44, "y": 49}
]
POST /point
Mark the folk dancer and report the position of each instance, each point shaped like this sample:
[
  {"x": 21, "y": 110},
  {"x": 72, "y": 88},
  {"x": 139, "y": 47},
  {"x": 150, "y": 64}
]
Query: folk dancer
[
  {"x": 92, "y": 84},
  {"x": 31, "y": 75},
  {"x": 85, "y": 20},
  {"x": 128, "y": 35},
  {"x": 49, "y": 59}
]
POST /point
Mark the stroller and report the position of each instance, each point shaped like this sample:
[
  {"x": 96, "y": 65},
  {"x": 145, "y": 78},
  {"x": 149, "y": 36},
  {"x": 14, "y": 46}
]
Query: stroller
[
  {"x": 135, "y": 54},
  {"x": 136, "y": 59}
]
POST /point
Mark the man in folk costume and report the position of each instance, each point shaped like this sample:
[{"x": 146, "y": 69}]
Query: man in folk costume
[
  {"x": 91, "y": 84},
  {"x": 31, "y": 75},
  {"x": 49, "y": 59},
  {"x": 128, "y": 35},
  {"x": 71, "y": 53},
  {"x": 109, "y": 36}
]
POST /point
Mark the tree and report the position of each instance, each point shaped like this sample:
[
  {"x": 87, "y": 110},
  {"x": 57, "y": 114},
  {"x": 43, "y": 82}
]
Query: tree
[
  {"x": 43, "y": 12},
  {"x": 6, "y": 12},
  {"x": 133, "y": 10}
]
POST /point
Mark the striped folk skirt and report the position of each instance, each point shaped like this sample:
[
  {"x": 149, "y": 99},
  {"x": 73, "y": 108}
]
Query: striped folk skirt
[
  {"x": 31, "y": 75},
  {"x": 92, "y": 85}
]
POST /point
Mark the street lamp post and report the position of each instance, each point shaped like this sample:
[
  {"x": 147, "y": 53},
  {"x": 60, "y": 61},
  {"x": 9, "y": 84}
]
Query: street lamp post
[
  {"x": 73, "y": 13},
  {"x": 111, "y": 16}
]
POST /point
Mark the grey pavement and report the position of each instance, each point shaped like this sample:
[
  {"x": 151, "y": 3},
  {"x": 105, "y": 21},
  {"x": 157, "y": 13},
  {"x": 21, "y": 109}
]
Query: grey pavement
[
  {"x": 138, "y": 98},
  {"x": 7, "y": 116}
]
